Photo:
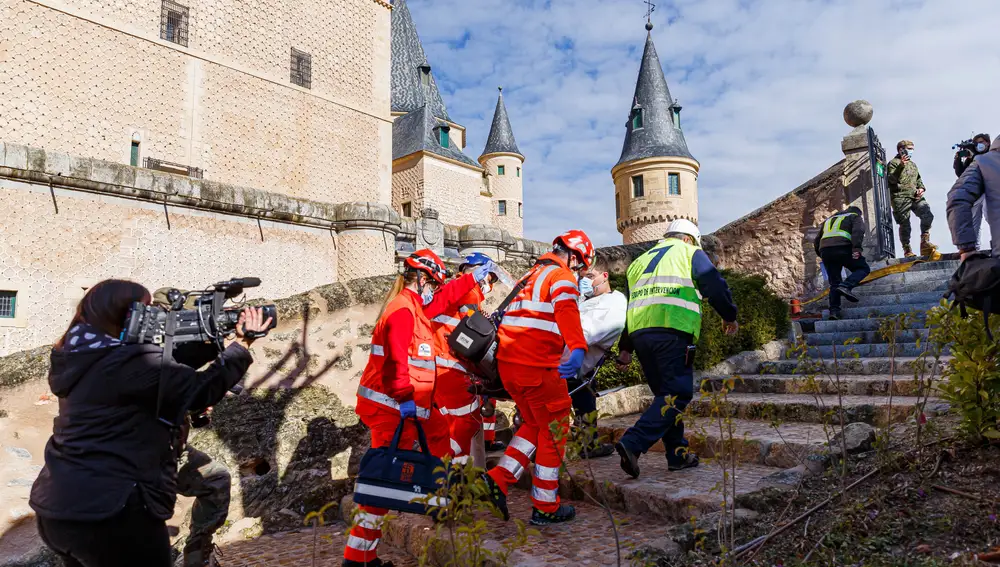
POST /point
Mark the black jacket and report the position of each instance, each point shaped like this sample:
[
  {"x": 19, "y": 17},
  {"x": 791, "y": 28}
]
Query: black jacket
[
  {"x": 107, "y": 439},
  {"x": 853, "y": 224}
]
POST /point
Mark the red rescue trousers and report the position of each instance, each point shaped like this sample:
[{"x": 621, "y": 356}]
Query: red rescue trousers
[
  {"x": 362, "y": 542},
  {"x": 451, "y": 394},
  {"x": 490, "y": 424},
  {"x": 543, "y": 398}
]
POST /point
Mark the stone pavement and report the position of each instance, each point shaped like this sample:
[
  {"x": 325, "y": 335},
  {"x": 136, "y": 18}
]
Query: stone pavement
[{"x": 297, "y": 549}]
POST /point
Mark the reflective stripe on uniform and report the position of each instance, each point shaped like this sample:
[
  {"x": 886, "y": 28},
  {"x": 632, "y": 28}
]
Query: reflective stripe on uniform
[
  {"x": 420, "y": 363},
  {"x": 378, "y": 350},
  {"x": 361, "y": 544},
  {"x": 511, "y": 465},
  {"x": 455, "y": 447},
  {"x": 564, "y": 297},
  {"x": 831, "y": 228},
  {"x": 544, "y": 494},
  {"x": 523, "y": 446},
  {"x": 546, "y": 473},
  {"x": 563, "y": 283},
  {"x": 532, "y": 323},
  {"x": 460, "y": 460},
  {"x": 449, "y": 363},
  {"x": 386, "y": 400},
  {"x": 489, "y": 426},
  {"x": 446, "y": 320},
  {"x": 675, "y": 301},
  {"x": 651, "y": 279},
  {"x": 403, "y": 495},
  {"x": 369, "y": 521},
  {"x": 464, "y": 410},
  {"x": 539, "y": 306},
  {"x": 536, "y": 291}
]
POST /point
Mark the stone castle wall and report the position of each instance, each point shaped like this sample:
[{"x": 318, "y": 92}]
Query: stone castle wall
[
  {"x": 453, "y": 190},
  {"x": 408, "y": 185},
  {"x": 90, "y": 76},
  {"x": 508, "y": 187},
  {"x": 645, "y": 218}
]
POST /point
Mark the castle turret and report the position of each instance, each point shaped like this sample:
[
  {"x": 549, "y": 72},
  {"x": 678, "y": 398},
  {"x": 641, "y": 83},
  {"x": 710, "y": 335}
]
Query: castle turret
[
  {"x": 503, "y": 161},
  {"x": 656, "y": 178}
]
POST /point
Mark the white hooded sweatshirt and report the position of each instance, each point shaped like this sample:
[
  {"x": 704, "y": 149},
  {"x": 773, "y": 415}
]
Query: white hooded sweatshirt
[{"x": 602, "y": 318}]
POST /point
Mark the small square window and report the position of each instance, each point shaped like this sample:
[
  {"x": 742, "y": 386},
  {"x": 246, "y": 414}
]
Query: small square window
[
  {"x": 8, "y": 304},
  {"x": 637, "y": 118},
  {"x": 443, "y": 136},
  {"x": 502, "y": 208},
  {"x": 301, "y": 69},
  {"x": 519, "y": 172},
  {"x": 174, "y": 22},
  {"x": 408, "y": 210},
  {"x": 674, "y": 180},
  {"x": 520, "y": 210},
  {"x": 501, "y": 170},
  {"x": 637, "y": 187}
]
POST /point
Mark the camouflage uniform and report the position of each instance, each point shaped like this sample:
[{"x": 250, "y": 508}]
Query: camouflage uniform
[
  {"x": 904, "y": 181},
  {"x": 209, "y": 482}
]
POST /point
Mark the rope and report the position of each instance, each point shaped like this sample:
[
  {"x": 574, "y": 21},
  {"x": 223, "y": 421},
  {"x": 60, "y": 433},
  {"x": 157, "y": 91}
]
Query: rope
[{"x": 877, "y": 274}]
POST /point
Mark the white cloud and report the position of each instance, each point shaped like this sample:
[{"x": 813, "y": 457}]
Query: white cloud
[{"x": 763, "y": 85}]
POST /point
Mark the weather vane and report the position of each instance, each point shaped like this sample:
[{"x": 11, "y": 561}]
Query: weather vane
[{"x": 650, "y": 8}]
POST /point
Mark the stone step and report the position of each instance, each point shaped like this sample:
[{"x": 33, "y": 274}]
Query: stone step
[
  {"x": 921, "y": 297},
  {"x": 878, "y": 287},
  {"x": 586, "y": 540},
  {"x": 917, "y": 276},
  {"x": 874, "y": 410},
  {"x": 939, "y": 266},
  {"x": 901, "y": 366},
  {"x": 295, "y": 549},
  {"x": 867, "y": 350},
  {"x": 882, "y": 310},
  {"x": 756, "y": 442},
  {"x": 865, "y": 337},
  {"x": 859, "y": 325},
  {"x": 854, "y": 385}
]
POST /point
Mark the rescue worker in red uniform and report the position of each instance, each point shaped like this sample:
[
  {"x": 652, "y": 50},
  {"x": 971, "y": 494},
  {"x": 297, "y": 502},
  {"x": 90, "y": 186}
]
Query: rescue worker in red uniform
[
  {"x": 489, "y": 410},
  {"x": 451, "y": 389},
  {"x": 541, "y": 320},
  {"x": 398, "y": 381}
]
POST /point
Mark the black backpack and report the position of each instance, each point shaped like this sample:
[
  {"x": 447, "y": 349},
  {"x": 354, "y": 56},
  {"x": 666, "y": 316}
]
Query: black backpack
[{"x": 976, "y": 284}]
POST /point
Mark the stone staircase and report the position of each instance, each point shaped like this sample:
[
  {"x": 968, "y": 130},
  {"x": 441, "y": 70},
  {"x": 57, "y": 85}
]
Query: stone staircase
[{"x": 782, "y": 417}]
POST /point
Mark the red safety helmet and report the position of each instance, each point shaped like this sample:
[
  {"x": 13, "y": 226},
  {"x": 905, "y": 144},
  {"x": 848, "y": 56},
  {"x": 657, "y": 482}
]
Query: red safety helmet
[
  {"x": 427, "y": 261},
  {"x": 579, "y": 242}
]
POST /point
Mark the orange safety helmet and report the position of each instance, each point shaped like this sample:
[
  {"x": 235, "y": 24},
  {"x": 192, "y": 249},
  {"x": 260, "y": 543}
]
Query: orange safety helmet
[
  {"x": 579, "y": 242},
  {"x": 427, "y": 261}
]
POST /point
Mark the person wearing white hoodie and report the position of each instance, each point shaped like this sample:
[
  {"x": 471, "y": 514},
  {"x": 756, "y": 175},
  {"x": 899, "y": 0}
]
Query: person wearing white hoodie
[
  {"x": 979, "y": 180},
  {"x": 602, "y": 316}
]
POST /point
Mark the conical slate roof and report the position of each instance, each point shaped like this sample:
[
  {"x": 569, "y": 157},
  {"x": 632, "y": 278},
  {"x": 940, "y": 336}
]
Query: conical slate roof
[
  {"x": 658, "y": 136},
  {"x": 408, "y": 89},
  {"x": 501, "y": 139},
  {"x": 415, "y": 131}
]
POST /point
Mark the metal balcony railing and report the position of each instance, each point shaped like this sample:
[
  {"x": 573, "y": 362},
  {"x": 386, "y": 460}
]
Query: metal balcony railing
[{"x": 171, "y": 167}]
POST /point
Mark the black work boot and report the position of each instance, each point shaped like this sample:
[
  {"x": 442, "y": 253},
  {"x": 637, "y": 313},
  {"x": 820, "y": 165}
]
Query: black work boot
[
  {"x": 492, "y": 446},
  {"x": 597, "y": 450},
  {"x": 630, "y": 461},
  {"x": 688, "y": 460},
  {"x": 497, "y": 497},
  {"x": 565, "y": 513},
  {"x": 835, "y": 314},
  {"x": 201, "y": 552},
  {"x": 373, "y": 563},
  {"x": 845, "y": 292}
]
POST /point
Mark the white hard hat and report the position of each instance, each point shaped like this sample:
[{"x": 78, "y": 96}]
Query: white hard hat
[{"x": 684, "y": 226}]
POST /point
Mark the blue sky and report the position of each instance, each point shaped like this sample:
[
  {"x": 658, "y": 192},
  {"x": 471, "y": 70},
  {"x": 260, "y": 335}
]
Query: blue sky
[{"x": 763, "y": 85}]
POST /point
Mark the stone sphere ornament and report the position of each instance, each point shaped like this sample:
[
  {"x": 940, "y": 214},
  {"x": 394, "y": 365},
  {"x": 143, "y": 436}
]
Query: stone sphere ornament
[{"x": 858, "y": 113}]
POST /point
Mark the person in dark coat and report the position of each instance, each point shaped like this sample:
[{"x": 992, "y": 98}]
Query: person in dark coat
[
  {"x": 839, "y": 244},
  {"x": 110, "y": 477}
]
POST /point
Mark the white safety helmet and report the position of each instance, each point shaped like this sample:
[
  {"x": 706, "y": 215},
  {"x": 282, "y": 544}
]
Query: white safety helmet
[{"x": 684, "y": 226}]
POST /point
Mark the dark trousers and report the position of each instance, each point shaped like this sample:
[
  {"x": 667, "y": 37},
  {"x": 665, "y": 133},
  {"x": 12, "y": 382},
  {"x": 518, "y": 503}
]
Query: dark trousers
[
  {"x": 584, "y": 404},
  {"x": 132, "y": 537},
  {"x": 662, "y": 356},
  {"x": 836, "y": 259}
]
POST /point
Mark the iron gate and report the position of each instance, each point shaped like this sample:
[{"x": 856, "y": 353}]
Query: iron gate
[{"x": 883, "y": 206}]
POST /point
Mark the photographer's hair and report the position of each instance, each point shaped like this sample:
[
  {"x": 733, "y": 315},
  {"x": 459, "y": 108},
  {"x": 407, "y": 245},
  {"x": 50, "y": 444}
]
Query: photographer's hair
[
  {"x": 402, "y": 280},
  {"x": 105, "y": 306}
]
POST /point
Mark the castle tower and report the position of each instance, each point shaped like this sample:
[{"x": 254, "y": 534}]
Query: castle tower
[
  {"x": 656, "y": 178},
  {"x": 503, "y": 161}
]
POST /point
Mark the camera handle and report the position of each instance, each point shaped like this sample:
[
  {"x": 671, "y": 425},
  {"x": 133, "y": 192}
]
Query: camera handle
[{"x": 170, "y": 327}]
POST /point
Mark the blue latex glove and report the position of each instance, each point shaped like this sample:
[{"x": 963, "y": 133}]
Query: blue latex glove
[
  {"x": 571, "y": 367},
  {"x": 408, "y": 409},
  {"x": 482, "y": 272}
]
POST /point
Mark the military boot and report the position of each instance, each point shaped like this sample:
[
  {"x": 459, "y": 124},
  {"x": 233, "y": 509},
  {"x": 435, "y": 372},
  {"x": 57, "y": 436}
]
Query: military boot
[
  {"x": 201, "y": 553},
  {"x": 908, "y": 251},
  {"x": 926, "y": 247}
]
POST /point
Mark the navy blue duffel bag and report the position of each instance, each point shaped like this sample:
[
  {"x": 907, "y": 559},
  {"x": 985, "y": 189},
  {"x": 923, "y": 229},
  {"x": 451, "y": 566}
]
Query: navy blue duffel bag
[{"x": 399, "y": 479}]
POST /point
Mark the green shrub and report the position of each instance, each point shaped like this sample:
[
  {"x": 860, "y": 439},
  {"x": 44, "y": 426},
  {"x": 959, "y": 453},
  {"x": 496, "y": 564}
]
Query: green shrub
[{"x": 763, "y": 317}]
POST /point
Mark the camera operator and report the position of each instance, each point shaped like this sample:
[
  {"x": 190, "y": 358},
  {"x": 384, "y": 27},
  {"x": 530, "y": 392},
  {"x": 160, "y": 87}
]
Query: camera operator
[
  {"x": 198, "y": 475},
  {"x": 966, "y": 154},
  {"x": 109, "y": 481}
]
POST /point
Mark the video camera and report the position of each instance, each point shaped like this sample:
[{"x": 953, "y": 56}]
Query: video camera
[
  {"x": 207, "y": 322},
  {"x": 965, "y": 146}
]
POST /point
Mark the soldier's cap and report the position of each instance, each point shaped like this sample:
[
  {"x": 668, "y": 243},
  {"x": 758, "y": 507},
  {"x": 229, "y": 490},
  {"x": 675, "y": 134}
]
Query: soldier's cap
[
  {"x": 903, "y": 144},
  {"x": 160, "y": 298}
]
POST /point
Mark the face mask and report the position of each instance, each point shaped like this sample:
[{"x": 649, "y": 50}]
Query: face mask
[
  {"x": 981, "y": 148},
  {"x": 427, "y": 297},
  {"x": 586, "y": 287},
  {"x": 909, "y": 152},
  {"x": 486, "y": 286}
]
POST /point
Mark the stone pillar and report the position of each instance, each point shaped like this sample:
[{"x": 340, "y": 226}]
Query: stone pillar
[
  {"x": 858, "y": 187},
  {"x": 430, "y": 232},
  {"x": 366, "y": 240},
  {"x": 489, "y": 240}
]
